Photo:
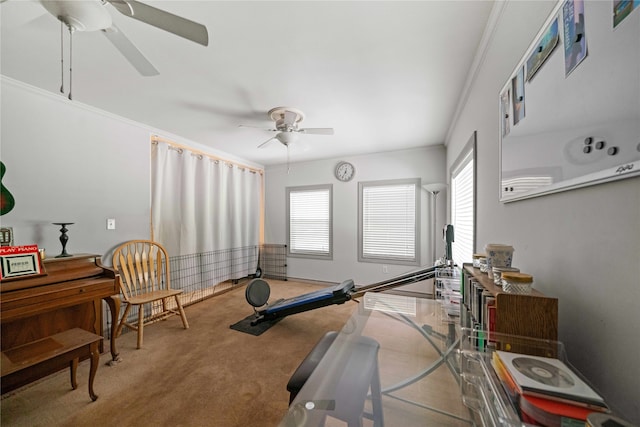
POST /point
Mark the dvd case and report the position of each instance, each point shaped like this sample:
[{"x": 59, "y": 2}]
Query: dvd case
[{"x": 549, "y": 378}]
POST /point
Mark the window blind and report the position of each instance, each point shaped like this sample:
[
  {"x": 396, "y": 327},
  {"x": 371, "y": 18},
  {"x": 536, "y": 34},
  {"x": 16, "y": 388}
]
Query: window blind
[
  {"x": 462, "y": 211},
  {"x": 388, "y": 222},
  {"x": 309, "y": 221}
]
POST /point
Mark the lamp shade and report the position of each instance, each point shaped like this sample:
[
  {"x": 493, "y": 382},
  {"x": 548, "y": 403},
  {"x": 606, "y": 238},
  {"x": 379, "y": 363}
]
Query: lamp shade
[
  {"x": 435, "y": 187},
  {"x": 286, "y": 137}
]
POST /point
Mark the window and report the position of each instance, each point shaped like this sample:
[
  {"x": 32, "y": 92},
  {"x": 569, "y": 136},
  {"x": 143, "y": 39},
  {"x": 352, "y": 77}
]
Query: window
[
  {"x": 463, "y": 213},
  {"x": 310, "y": 221},
  {"x": 388, "y": 225}
]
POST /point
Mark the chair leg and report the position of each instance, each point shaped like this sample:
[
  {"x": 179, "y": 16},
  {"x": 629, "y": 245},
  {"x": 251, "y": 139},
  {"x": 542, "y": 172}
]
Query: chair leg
[
  {"x": 182, "y": 315},
  {"x": 376, "y": 397},
  {"x": 140, "y": 324},
  {"x": 122, "y": 320}
]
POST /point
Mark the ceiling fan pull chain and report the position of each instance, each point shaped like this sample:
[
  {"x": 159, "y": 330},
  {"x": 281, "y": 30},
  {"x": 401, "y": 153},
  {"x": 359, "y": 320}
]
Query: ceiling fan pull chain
[
  {"x": 288, "y": 167},
  {"x": 70, "y": 60},
  {"x": 61, "y": 57}
]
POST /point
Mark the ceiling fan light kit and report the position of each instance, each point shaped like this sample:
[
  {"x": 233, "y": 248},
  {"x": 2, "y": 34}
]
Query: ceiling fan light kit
[{"x": 81, "y": 16}]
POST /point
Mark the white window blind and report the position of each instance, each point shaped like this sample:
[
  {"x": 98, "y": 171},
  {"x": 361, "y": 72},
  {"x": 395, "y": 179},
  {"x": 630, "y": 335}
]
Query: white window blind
[
  {"x": 463, "y": 207},
  {"x": 388, "y": 228},
  {"x": 309, "y": 221}
]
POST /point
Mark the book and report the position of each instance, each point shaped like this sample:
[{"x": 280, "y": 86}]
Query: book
[
  {"x": 551, "y": 413},
  {"x": 549, "y": 378},
  {"x": 491, "y": 318},
  {"x": 565, "y": 422}
]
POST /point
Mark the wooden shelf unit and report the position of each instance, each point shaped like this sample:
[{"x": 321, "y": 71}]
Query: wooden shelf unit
[{"x": 534, "y": 315}]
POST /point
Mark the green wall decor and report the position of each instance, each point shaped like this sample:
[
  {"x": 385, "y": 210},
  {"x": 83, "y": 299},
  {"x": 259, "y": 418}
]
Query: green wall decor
[{"x": 7, "y": 202}]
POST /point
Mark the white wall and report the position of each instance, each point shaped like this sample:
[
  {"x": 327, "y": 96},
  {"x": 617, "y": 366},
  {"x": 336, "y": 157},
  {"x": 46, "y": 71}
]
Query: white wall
[
  {"x": 67, "y": 162},
  {"x": 581, "y": 246},
  {"x": 426, "y": 163}
]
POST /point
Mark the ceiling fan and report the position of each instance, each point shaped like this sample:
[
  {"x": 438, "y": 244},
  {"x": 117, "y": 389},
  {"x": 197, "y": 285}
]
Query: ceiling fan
[
  {"x": 286, "y": 120},
  {"x": 92, "y": 15}
]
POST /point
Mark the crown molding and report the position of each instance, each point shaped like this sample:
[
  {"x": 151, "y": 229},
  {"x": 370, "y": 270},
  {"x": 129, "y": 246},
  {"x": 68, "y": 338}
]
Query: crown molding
[{"x": 478, "y": 61}]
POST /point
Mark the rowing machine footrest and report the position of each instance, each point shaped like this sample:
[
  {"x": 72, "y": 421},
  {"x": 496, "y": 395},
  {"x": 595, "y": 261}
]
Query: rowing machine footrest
[{"x": 257, "y": 293}]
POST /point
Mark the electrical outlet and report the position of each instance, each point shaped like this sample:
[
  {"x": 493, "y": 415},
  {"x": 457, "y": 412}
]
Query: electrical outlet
[
  {"x": 385, "y": 269},
  {"x": 111, "y": 224}
]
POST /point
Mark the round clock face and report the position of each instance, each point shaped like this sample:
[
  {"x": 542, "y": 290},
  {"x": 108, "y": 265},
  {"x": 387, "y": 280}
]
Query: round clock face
[{"x": 345, "y": 171}]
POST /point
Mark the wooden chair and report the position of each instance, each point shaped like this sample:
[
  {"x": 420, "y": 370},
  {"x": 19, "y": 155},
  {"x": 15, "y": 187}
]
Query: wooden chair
[{"x": 143, "y": 266}]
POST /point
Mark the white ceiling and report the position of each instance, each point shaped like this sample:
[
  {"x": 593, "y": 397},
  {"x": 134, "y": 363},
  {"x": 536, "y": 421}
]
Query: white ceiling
[{"x": 386, "y": 75}]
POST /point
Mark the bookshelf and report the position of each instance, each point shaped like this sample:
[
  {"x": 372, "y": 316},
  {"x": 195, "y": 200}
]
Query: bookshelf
[{"x": 489, "y": 308}]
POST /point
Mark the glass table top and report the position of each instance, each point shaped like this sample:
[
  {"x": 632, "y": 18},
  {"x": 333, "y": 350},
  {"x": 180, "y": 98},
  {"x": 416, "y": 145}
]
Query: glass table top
[{"x": 393, "y": 363}]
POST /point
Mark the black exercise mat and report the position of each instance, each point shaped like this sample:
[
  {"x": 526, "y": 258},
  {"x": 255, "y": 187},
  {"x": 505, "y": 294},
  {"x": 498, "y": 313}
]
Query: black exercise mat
[{"x": 245, "y": 325}]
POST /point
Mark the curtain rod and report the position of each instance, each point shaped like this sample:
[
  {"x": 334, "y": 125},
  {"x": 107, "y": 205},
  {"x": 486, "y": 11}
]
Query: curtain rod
[{"x": 156, "y": 139}]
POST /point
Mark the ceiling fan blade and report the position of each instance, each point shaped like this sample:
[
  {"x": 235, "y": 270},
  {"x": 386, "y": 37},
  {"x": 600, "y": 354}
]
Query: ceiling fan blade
[
  {"x": 317, "y": 131},
  {"x": 266, "y": 142},
  {"x": 129, "y": 51},
  {"x": 175, "y": 24}
]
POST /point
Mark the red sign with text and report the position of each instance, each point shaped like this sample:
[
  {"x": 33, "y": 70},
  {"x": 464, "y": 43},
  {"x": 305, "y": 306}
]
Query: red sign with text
[{"x": 16, "y": 261}]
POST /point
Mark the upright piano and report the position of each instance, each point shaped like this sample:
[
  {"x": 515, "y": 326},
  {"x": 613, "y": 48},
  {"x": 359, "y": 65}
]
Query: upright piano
[{"x": 69, "y": 295}]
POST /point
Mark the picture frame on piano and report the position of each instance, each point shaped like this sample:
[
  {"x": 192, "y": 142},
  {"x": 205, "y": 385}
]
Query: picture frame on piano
[{"x": 18, "y": 262}]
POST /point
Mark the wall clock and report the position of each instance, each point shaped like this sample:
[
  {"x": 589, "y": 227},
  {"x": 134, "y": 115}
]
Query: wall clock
[{"x": 345, "y": 171}]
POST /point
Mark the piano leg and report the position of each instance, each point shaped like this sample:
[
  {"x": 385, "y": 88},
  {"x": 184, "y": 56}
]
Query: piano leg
[
  {"x": 114, "y": 307},
  {"x": 95, "y": 359},
  {"x": 73, "y": 367}
]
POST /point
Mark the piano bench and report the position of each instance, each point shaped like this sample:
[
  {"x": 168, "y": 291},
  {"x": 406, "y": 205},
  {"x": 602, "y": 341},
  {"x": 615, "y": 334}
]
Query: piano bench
[{"x": 68, "y": 345}]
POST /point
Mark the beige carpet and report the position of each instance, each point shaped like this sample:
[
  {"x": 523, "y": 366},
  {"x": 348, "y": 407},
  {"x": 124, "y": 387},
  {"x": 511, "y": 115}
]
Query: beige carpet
[{"x": 208, "y": 375}]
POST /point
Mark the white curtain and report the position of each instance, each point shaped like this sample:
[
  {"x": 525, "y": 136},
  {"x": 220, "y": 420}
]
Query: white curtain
[{"x": 199, "y": 204}]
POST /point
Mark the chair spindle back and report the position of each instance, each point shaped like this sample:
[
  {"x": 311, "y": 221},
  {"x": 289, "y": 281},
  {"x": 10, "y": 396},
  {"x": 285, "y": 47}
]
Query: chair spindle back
[{"x": 143, "y": 266}]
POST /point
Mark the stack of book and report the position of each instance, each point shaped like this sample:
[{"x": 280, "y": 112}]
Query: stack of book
[{"x": 546, "y": 391}]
